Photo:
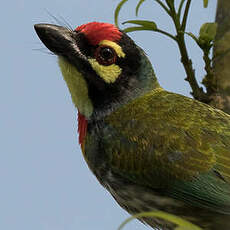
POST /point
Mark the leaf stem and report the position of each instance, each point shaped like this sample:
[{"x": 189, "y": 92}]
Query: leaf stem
[
  {"x": 163, "y": 6},
  {"x": 197, "y": 91},
  {"x": 185, "y": 17},
  {"x": 180, "y": 8},
  {"x": 166, "y": 33}
]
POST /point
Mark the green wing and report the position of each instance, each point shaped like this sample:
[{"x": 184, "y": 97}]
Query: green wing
[{"x": 168, "y": 141}]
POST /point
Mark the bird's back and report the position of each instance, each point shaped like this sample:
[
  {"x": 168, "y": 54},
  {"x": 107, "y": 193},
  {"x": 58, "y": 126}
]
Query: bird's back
[{"x": 171, "y": 153}]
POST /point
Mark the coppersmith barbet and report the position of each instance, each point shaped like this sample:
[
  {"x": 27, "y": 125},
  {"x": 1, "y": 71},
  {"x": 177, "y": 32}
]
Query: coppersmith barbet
[{"x": 151, "y": 149}]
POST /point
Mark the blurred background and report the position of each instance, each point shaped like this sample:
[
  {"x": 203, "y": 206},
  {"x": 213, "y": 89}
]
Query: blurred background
[{"x": 44, "y": 182}]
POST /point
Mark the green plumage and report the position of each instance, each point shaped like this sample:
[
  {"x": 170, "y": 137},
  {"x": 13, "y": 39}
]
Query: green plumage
[
  {"x": 173, "y": 145},
  {"x": 151, "y": 149},
  {"x": 168, "y": 140}
]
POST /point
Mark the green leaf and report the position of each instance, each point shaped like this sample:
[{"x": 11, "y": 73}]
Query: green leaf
[
  {"x": 145, "y": 25},
  {"x": 205, "y": 3},
  {"x": 181, "y": 223},
  {"x": 117, "y": 11},
  {"x": 134, "y": 28},
  {"x": 138, "y": 6},
  {"x": 207, "y": 33}
]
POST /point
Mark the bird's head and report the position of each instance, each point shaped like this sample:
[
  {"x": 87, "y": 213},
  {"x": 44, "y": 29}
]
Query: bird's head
[{"x": 101, "y": 65}]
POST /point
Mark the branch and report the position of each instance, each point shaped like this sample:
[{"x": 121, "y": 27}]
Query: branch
[
  {"x": 221, "y": 65},
  {"x": 197, "y": 91}
]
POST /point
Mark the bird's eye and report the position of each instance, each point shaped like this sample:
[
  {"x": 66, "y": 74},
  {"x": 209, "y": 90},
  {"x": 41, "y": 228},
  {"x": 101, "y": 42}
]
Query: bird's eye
[{"x": 105, "y": 55}]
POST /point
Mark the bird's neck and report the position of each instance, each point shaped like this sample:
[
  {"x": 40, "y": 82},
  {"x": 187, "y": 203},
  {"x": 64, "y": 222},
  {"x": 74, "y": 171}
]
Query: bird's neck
[
  {"x": 111, "y": 98},
  {"x": 104, "y": 105}
]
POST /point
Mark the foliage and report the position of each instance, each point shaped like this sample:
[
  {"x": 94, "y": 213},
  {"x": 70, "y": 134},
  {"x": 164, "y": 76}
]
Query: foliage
[
  {"x": 179, "y": 222},
  {"x": 205, "y": 41}
]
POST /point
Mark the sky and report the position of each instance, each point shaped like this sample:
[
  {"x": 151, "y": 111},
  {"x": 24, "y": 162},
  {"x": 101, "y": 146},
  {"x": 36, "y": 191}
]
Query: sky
[{"x": 45, "y": 183}]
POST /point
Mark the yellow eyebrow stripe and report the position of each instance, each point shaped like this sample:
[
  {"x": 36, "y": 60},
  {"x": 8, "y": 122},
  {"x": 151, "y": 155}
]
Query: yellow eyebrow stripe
[{"x": 115, "y": 46}]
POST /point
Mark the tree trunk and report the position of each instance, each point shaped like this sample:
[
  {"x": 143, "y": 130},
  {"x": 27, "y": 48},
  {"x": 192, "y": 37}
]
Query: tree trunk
[{"x": 221, "y": 99}]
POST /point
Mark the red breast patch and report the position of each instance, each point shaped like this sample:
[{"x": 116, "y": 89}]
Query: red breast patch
[
  {"x": 82, "y": 128},
  {"x": 98, "y": 31}
]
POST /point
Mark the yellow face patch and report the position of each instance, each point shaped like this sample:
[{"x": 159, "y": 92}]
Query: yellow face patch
[
  {"x": 109, "y": 73},
  {"x": 77, "y": 87}
]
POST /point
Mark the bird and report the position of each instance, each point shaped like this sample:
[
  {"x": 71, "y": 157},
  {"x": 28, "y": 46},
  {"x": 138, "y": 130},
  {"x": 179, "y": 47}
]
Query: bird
[{"x": 152, "y": 149}]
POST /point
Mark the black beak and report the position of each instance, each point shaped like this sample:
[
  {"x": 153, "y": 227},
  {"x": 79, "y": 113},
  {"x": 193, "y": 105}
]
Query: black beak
[
  {"x": 57, "y": 39},
  {"x": 62, "y": 42}
]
